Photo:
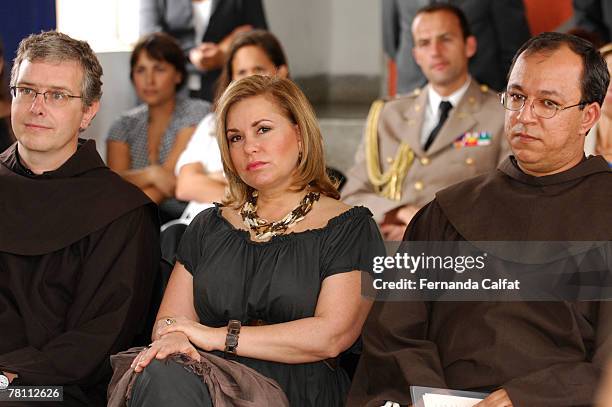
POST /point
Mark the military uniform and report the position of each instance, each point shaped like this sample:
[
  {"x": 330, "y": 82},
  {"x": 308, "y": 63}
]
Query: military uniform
[{"x": 470, "y": 143}]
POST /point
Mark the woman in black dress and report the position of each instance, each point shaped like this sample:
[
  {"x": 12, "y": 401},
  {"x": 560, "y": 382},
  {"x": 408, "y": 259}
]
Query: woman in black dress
[{"x": 272, "y": 276}]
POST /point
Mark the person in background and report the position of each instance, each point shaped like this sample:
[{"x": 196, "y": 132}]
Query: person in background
[
  {"x": 6, "y": 133},
  {"x": 144, "y": 144},
  {"x": 79, "y": 246},
  {"x": 500, "y": 27},
  {"x": 415, "y": 145},
  {"x": 599, "y": 139},
  {"x": 199, "y": 169},
  {"x": 273, "y": 276},
  {"x": 525, "y": 353},
  {"x": 204, "y": 29},
  {"x": 594, "y": 16}
]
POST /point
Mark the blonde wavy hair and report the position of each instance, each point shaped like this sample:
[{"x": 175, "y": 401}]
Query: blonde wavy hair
[{"x": 310, "y": 170}]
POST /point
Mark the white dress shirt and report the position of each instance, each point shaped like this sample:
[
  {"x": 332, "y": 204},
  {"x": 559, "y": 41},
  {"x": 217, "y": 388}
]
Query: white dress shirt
[
  {"x": 432, "y": 114},
  {"x": 204, "y": 149}
]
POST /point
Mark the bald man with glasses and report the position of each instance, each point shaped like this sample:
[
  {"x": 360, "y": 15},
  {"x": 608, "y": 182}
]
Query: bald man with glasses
[{"x": 522, "y": 353}]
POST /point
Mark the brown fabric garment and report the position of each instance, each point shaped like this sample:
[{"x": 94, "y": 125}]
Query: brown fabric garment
[
  {"x": 541, "y": 353},
  {"x": 65, "y": 205},
  {"x": 510, "y": 205},
  {"x": 66, "y": 305},
  {"x": 231, "y": 384}
]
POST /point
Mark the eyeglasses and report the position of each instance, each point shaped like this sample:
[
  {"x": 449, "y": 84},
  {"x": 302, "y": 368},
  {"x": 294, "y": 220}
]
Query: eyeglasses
[
  {"x": 53, "y": 98},
  {"x": 544, "y": 108}
]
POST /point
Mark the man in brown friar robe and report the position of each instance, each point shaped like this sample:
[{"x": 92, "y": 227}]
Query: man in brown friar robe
[
  {"x": 524, "y": 353},
  {"x": 79, "y": 247}
]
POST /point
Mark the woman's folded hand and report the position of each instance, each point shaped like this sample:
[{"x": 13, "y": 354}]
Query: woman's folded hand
[
  {"x": 202, "y": 336},
  {"x": 163, "y": 347}
]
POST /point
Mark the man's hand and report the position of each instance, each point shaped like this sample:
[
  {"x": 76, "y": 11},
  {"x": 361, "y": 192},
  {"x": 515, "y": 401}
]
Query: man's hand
[
  {"x": 212, "y": 56},
  {"x": 10, "y": 376},
  {"x": 227, "y": 41},
  {"x": 406, "y": 213},
  {"x": 498, "y": 398},
  {"x": 604, "y": 398},
  {"x": 195, "y": 57},
  {"x": 394, "y": 225},
  {"x": 207, "y": 56},
  {"x": 393, "y": 231}
]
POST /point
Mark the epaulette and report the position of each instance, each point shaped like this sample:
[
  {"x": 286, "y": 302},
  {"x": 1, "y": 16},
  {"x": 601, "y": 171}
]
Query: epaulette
[{"x": 410, "y": 95}]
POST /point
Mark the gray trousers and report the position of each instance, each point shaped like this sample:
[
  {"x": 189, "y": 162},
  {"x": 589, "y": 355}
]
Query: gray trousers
[{"x": 167, "y": 383}]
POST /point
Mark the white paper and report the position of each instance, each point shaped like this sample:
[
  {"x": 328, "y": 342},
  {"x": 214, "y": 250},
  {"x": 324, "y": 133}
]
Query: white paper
[{"x": 443, "y": 400}]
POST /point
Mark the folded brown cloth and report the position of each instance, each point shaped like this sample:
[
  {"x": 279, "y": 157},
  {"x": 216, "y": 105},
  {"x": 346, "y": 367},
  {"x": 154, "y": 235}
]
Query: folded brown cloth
[{"x": 229, "y": 383}]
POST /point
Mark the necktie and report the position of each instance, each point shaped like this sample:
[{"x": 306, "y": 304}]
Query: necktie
[{"x": 444, "y": 108}]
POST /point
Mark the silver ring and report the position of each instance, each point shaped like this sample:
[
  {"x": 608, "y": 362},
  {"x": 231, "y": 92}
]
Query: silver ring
[{"x": 169, "y": 321}]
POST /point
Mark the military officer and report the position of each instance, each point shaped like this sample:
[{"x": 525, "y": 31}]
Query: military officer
[{"x": 415, "y": 145}]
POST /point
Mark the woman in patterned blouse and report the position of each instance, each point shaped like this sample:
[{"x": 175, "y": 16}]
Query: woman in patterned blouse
[{"x": 145, "y": 142}]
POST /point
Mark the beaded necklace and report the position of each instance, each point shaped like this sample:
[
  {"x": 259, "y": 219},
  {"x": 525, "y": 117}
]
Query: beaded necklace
[{"x": 263, "y": 229}]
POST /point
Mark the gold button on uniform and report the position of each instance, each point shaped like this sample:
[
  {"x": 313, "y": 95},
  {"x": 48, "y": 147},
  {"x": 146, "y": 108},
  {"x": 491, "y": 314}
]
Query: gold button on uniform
[
  {"x": 418, "y": 186},
  {"x": 469, "y": 161},
  {"x": 424, "y": 160},
  {"x": 389, "y": 160}
]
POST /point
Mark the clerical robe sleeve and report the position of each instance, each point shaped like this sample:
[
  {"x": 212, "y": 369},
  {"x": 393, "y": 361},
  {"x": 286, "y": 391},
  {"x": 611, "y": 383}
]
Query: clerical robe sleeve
[
  {"x": 569, "y": 383},
  {"x": 110, "y": 303},
  {"x": 397, "y": 353}
]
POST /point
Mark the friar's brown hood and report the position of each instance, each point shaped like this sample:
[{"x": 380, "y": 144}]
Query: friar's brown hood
[{"x": 43, "y": 213}]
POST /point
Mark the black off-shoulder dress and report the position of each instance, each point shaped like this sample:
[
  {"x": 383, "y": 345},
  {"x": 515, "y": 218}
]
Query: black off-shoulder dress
[{"x": 277, "y": 281}]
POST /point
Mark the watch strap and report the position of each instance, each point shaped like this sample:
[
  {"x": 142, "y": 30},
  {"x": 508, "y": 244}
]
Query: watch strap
[{"x": 231, "y": 339}]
